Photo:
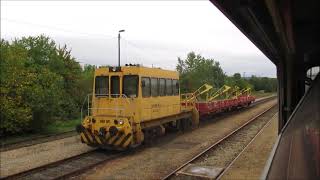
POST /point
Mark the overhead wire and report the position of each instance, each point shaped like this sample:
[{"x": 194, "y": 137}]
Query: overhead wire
[
  {"x": 102, "y": 36},
  {"x": 141, "y": 53}
]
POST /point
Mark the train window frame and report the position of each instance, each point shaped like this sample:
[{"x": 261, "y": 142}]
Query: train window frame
[
  {"x": 162, "y": 90},
  {"x": 170, "y": 86},
  {"x": 114, "y": 95},
  {"x": 144, "y": 85},
  {"x": 175, "y": 87},
  {"x": 154, "y": 90},
  {"x": 124, "y": 86},
  {"x": 107, "y": 87}
]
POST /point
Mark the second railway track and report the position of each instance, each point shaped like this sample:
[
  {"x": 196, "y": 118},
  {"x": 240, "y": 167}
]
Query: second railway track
[
  {"x": 266, "y": 115},
  {"x": 69, "y": 167}
]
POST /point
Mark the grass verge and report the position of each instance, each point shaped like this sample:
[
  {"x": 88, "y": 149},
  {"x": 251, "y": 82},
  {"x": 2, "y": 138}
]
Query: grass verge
[{"x": 53, "y": 128}]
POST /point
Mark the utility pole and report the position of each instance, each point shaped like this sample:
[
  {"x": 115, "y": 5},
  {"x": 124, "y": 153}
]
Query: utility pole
[{"x": 119, "y": 46}]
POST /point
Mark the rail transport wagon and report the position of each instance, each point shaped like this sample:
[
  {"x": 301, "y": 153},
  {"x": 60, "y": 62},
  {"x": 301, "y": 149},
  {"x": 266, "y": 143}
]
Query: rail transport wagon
[
  {"x": 222, "y": 100},
  {"x": 130, "y": 104}
]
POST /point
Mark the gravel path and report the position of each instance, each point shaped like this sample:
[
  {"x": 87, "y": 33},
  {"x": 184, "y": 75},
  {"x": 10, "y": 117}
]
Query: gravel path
[{"x": 170, "y": 151}]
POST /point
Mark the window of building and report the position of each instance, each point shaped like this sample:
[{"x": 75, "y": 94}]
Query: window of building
[
  {"x": 115, "y": 86},
  {"x": 168, "y": 87},
  {"x": 154, "y": 87},
  {"x": 146, "y": 87},
  {"x": 102, "y": 86},
  {"x": 175, "y": 85},
  {"x": 162, "y": 87},
  {"x": 130, "y": 86}
]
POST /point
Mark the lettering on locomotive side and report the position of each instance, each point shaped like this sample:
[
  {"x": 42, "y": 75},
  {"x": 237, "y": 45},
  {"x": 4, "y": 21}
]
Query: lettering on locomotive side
[{"x": 155, "y": 106}]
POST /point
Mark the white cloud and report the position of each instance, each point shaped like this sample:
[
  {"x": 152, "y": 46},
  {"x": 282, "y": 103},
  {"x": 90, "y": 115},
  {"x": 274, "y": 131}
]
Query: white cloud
[{"x": 157, "y": 32}]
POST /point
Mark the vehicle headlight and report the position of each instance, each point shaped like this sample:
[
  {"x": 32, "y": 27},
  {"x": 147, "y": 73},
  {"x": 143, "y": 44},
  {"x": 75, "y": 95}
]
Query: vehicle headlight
[
  {"x": 121, "y": 122},
  {"x": 88, "y": 120}
]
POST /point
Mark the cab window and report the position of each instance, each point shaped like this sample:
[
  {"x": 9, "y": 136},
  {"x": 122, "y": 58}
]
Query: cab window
[
  {"x": 162, "y": 87},
  {"x": 115, "y": 86},
  {"x": 146, "y": 87},
  {"x": 175, "y": 87},
  {"x": 101, "y": 86},
  {"x": 154, "y": 87},
  {"x": 168, "y": 87},
  {"x": 130, "y": 86}
]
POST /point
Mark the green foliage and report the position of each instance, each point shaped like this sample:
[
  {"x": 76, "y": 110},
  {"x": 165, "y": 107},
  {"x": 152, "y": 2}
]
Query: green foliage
[
  {"x": 263, "y": 83},
  {"x": 195, "y": 70},
  {"x": 62, "y": 126},
  {"x": 40, "y": 82},
  {"x": 236, "y": 80}
]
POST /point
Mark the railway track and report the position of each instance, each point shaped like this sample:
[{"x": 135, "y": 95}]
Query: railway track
[
  {"x": 70, "y": 167},
  {"x": 269, "y": 113},
  {"x": 36, "y": 140},
  {"x": 78, "y": 164}
]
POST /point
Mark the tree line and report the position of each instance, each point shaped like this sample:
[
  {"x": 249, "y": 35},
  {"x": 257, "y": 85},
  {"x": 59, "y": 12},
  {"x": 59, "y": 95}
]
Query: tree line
[
  {"x": 41, "y": 82},
  {"x": 196, "y": 70}
]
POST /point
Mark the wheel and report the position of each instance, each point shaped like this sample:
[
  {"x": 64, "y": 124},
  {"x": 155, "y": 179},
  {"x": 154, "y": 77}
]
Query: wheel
[{"x": 185, "y": 124}]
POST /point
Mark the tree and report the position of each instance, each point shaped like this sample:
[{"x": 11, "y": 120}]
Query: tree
[
  {"x": 40, "y": 82},
  {"x": 195, "y": 70},
  {"x": 263, "y": 83}
]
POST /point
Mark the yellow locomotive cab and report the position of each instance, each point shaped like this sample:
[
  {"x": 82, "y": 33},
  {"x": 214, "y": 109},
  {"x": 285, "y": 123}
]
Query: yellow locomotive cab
[{"x": 129, "y": 103}]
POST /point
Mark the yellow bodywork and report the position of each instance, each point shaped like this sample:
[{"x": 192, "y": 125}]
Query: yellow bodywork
[{"x": 116, "y": 121}]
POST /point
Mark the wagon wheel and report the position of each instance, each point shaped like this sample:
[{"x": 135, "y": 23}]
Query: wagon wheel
[{"x": 185, "y": 124}]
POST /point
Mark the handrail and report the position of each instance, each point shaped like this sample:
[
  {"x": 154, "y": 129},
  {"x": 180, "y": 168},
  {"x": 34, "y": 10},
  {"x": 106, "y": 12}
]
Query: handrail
[{"x": 112, "y": 96}]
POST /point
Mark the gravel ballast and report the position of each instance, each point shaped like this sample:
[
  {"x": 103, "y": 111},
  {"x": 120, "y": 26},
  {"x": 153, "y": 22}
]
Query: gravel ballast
[
  {"x": 26, "y": 158},
  {"x": 251, "y": 162},
  {"x": 172, "y": 150}
]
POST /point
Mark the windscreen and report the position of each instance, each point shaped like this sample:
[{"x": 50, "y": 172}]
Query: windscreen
[
  {"x": 102, "y": 86},
  {"x": 130, "y": 86}
]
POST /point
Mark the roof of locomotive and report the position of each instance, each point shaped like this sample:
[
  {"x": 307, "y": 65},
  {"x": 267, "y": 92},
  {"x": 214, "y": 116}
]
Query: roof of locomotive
[{"x": 137, "y": 70}]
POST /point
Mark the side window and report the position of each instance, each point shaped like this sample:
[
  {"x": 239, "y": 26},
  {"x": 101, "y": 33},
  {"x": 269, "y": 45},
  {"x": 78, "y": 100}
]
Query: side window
[
  {"x": 154, "y": 87},
  {"x": 162, "y": 87},
  {"x": 146, "y": 87},
  {"x": 168, "y": 87},
  {"x": 115, "y": 86},
  {"x": 175, "y": 84},
  {"x": 130, "y": 86},
  {"x": 101, "y": 86}
]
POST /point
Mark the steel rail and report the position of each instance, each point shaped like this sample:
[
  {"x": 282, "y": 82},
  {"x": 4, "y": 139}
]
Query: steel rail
[
  {"x": 36, "y": 140},
  {"x": 58, "y": 163},
  {"x": 246, "y": 147},
  {"x": 216, "y": 143},
  {"x": 76, "y": 170}
]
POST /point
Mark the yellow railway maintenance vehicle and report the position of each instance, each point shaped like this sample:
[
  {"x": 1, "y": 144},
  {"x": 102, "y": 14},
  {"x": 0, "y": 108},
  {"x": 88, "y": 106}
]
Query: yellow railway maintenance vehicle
[{"x": 132, "y": 103}]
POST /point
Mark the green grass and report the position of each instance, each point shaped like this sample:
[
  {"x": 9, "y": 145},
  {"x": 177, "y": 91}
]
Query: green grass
[
  {"x": 53, "y": 128},
  {"x": 259, "y": 94},
  {"x": 62, "y": 126}
]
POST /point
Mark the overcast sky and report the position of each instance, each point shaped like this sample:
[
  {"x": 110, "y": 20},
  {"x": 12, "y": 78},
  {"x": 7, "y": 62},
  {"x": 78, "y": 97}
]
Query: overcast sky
[{"x": 156, "y": 32}]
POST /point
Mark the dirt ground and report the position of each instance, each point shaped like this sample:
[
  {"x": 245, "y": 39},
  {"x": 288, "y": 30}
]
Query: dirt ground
[
  {"x": 250, "y": 164},
  {"x": 170, "y": 151}
]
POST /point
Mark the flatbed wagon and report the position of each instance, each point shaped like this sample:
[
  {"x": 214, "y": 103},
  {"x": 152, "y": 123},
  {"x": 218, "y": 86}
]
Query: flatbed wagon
[{"x": 224, "y": 105}]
